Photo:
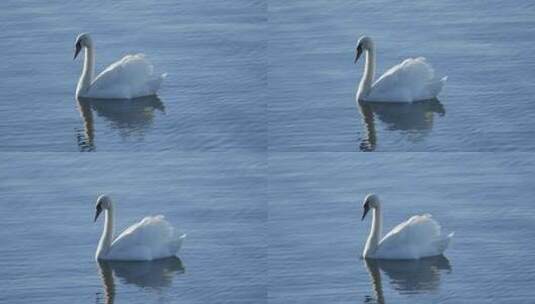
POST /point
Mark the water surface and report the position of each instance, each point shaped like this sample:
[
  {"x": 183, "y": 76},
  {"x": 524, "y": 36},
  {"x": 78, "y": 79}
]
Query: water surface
[
  {"x": 485, "y": 48},
  {"x": 49, "y": 238},
  {"x": 316, "y": 235},
  {"x": 213, "y": 98}
]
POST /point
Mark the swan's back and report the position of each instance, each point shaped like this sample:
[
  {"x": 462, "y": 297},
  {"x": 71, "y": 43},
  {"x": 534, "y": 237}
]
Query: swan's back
[
  {"x": 151, "y": 238},
  {"x": 411, "y": 80},
  {"x": 418, "y": 237},
  {"x": 131, "y": 77}
]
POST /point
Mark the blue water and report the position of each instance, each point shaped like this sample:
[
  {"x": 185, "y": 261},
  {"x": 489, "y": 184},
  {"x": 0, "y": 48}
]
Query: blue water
[
  {"x": 484, "y": 47},
  {"x": 251, "y": 148},
  {"x": 278, "y": 75},
  {"x": 213, "y": 99},
  {"x": 285, "y": 229},
  {"x": 316, "y": 234},
  {"x": 49, "y": 239}
]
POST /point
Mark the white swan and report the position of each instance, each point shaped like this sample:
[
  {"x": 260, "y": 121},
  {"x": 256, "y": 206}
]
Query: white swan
[
  {"x": 411, "y": 80},
  {"x": 152, "y": 238},
  {"x": 418, "y": 237},
  {"x": 130, "y": 77}
]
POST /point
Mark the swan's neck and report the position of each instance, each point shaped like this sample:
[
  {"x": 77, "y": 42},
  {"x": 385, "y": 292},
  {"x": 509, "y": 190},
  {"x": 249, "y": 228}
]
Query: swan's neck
[
  {"x": 366, "y": 81},
  {"x": 88, "y": 71},
  {"x": 375, "y": 234},
  {"x": 107, "y": 234}
]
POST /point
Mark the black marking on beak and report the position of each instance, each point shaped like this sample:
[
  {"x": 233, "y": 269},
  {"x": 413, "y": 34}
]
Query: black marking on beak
[
  {"x": 97, "y": 213},
  {"x": 359, "y": 52},
  {"x": 77, "y": 50},
  {"x": 366, "y": 209}
]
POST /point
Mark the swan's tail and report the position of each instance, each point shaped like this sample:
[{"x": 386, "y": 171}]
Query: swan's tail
[
  {"x": 443, "y": 243},
  {"x": 155, "y": 83},
  {"x": 175, "y": 247},
  {"x": 436, "y": 87}
]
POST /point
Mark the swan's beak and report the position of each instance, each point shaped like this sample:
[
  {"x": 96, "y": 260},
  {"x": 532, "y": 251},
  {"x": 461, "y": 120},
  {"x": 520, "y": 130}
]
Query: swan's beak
[
  {"x": 366, "y": 209},
  {"x": 99, "y": 210},
  {"x": 359, "y": 52},
  {"x": 78, "y": 49}
]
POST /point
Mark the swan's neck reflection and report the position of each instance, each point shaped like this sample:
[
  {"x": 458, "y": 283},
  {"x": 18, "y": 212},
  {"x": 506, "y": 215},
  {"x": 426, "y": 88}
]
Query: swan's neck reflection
[
  {"x": 416, "y": 119},
  {"x": 106, "y": 275},
  {"x": 129, "y": 116},
  {"x": 375, "y": 276},
  {"x": 86, "y": 141},
  {"x": 369, "y": 140},
  {"x": 153, "y": 275},
  {"x": 407, "y": 276}
]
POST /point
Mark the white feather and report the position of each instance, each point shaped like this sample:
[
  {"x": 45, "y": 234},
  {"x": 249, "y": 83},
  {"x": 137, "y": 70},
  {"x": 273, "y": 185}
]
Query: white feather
[
  {"x": 411, "y": 80},
  {"x": 151, "y": 238},
  {"x": 419, "y": 236},
  {"x": 130, "y": 77}
]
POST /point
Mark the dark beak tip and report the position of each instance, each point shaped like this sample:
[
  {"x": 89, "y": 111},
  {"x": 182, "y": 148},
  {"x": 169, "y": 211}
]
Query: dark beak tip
[
  {"x": 77, "y": 51},
  {"x": 96, "y": 215}
]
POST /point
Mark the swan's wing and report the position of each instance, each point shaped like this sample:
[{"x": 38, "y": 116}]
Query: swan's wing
[
  {"x": 411, "y": 80},
  {"x": 130, "y": 77},
  {"x": 419, "y": 236},
  {"x": 151, "y": 238}
]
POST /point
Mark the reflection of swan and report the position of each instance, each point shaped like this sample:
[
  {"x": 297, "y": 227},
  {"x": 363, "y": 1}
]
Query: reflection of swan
[
  {"x": 86, "y": 142},
  {"x": 411, "y": 80},
  {"x": 407, "y": 276},
  {"x": 130, "y": 116},
  {"x": 151, "y": 238},
  {"x": 416, "y": 118},
  {"x": 418, "y": 237},
  {"x": 153, "y": 274},
  {"x": 130, "y": 77}
]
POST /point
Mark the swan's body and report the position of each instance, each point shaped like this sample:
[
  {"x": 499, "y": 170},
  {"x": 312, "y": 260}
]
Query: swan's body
[
  {"x": 151, "y": 238},
  {"x": 418, "y": 237},
  {"x": 411, "y": 80},
  {"x": 130, "y": 77}
]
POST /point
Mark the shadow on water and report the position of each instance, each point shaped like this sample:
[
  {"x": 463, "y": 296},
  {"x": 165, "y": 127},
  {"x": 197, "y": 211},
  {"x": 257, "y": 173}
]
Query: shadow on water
[
  {"x": 130, "y": 117},
  {"x": 406, "y": 276},
  {"x": 415, "y": 118},
  {"x": 152, "y": 275}
]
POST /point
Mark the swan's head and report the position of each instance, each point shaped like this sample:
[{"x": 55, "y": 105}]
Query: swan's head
[
  {"x": 103, "y": 203},
  {"x": 364, "y": 43},
  {"x": 370, "y": 201},
  {"x": 83, "y": 40}
]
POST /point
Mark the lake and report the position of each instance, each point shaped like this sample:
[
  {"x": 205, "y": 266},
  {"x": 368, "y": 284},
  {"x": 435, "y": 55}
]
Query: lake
[
  {"x": 257, "y": 75},
  {"x": 49, "y": 238},
  {"x": 483, "y": 47},
  {"x": 214, "y": 97},
  {"x": 252, "y": 148},
  {"x": 316, "y": 235}
]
